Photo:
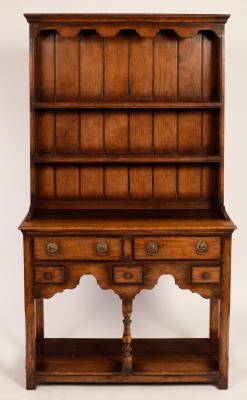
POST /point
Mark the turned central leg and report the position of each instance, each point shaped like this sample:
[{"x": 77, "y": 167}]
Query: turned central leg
[{"x": 126, "y": 354}]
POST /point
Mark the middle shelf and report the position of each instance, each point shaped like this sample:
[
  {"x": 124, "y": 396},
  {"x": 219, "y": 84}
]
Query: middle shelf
[
  {"x": 88, "y": 159},
  {"x": 148, "y": 104}
]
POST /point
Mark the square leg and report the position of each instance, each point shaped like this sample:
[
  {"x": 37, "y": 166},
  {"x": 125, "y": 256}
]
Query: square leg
[
  {"x": 29, "y": 315},
  {"x": 214, "y": 319},
  {"x": 224, "y": 315},
  {"x": 39, "y": 318}
]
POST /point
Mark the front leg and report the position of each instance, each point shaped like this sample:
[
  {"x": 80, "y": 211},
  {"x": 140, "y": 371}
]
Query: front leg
[{"x": 127, "y": 349}]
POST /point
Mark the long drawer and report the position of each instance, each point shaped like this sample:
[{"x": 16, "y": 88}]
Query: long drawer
[
  {"x": 77, "y": 248},
  {"x": 184, "y": 248}
]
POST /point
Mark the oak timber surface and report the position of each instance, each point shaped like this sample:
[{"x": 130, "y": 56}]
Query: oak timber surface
[
  {"x": 103, "y": 357},
  {"x": 54, "y": 17},
  {"x": 133, "y": 221},
  {"x": 127, "y": 162}
]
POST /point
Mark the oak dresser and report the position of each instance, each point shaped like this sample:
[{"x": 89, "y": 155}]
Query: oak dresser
[{"x": 127, "y": 170}]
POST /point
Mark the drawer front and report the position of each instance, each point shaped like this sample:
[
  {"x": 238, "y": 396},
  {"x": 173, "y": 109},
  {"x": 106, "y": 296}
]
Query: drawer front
[
  {"x": 128, "y": 274},
  {"x": 48, "y": 274},
  {"x": 184, "y": 248},
  {"x": 202, "y": 274},
  {"x": 79, "y": 248}
]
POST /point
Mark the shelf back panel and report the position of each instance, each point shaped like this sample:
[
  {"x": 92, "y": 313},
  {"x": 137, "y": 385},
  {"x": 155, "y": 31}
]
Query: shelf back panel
[
  {"x": 115, "y": 132},
  {"x": 126, "y": 67}
]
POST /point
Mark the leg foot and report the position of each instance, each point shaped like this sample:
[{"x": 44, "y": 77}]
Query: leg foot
[
  {"x": 30, "y": 384},
  {"x": 222, "y": 384}
]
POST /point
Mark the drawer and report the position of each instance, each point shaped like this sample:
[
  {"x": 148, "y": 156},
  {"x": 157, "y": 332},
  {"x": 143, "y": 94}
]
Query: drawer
[
  {"x": 175, "y": 248},
  {"x": 127, "y": 274},
  {"x": 77, "y": 248},
  {"x": 202, "y": 274},
  {"x": 48, "y": 274}
]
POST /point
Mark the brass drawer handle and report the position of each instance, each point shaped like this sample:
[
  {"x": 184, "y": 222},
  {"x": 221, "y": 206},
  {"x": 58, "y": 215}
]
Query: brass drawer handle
[
  {"x": 127, "y": 275},
  {"x": 52, "y": 249},
  {"x": 152, "y": 248},
  {"x": 205, "y": 275},
  {"x": 101, "y": 248},
  {"x": 201, "y": 247}
]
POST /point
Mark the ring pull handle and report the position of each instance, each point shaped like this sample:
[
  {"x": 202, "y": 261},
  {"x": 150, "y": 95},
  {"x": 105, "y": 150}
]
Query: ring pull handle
[
  {"x": 52, "y": 248},
  {"x": 101, "y": 248},
  {"x": 152, "y": 248}
]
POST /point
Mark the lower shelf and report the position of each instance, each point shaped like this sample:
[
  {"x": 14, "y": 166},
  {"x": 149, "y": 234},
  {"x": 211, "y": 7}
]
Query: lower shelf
[{"x": 154, "y": 360}]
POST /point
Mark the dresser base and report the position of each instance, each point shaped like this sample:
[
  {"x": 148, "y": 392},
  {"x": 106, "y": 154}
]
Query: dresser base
[{"x": 99, "y": 361}]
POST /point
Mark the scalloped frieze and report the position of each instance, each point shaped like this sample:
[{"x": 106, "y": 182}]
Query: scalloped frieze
[
  {"x": 143, "y": 30},
  {"x": 104, "y": 277}
]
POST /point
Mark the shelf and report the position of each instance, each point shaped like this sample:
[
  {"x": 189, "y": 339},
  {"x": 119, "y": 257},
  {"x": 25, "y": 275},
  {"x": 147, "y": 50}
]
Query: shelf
[
  {"x": 154, "y": 360},
  {"x": 124, "y": 104},
  {"x": 84, "y": 159}
]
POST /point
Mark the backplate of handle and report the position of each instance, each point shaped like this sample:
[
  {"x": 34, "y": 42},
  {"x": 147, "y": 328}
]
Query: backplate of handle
[
  {"x": 201, "y": 247},
  {"x": 101, "y": 248},
  {"x": 52, "y": 248},
  {"x": 152, "y": 248}
]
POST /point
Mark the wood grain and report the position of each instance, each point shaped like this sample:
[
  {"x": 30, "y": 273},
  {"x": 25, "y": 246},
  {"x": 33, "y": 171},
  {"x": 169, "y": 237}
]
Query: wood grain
[
  {"x": 116, "y": 132},
  {"x": 72, "y": 248},
  {"x": 91, "y": 182},
  {"x": 189, "y": 183},
  {"x": 165, "y": 66},
  {"x": 177, "y": 248},
  {"x": 91, "y": 132},
  {"x": 141, "y": 183},
  {"x": 91, "y": 72},
  {"x": 67, "y": 132},
  {"x": 67, "y": 182},
  {"x": 45, "y": 132},
  {"x": 114, "y": 175},
  {"x": 67, "y": 71},
  {"x": 165, "y": 132},
  {"x": 141, "y": 67},
  {"x": 193, "y": 359},
  {"x": 204, "y": 274},
  {"x": 189, "y": 67},
  {"x": 44, "y": 68},
  {"x": 117, "y": 67},
  {"x": 140, "y": 132},
  {"x": 46, "y": 182}
]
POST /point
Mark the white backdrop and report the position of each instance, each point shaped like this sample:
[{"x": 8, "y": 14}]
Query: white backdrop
[{"x": 88, "y": 311}]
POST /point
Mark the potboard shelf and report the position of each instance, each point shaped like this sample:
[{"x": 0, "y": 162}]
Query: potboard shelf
[{"x": 99, "y": 360}]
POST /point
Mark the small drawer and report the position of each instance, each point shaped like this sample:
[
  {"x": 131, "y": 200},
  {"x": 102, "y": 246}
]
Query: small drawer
[
  {"x": 177, "y": 248},
  {"x": 128, "y": 274},
  {"x": 48, "y": 274},
  {"x": 77, "y": 248},
  {"x": 202, "y": 274}
]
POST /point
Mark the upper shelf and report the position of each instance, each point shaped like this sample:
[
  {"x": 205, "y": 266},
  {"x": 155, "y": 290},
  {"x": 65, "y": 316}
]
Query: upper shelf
[{"x": 125, "y": 104}]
